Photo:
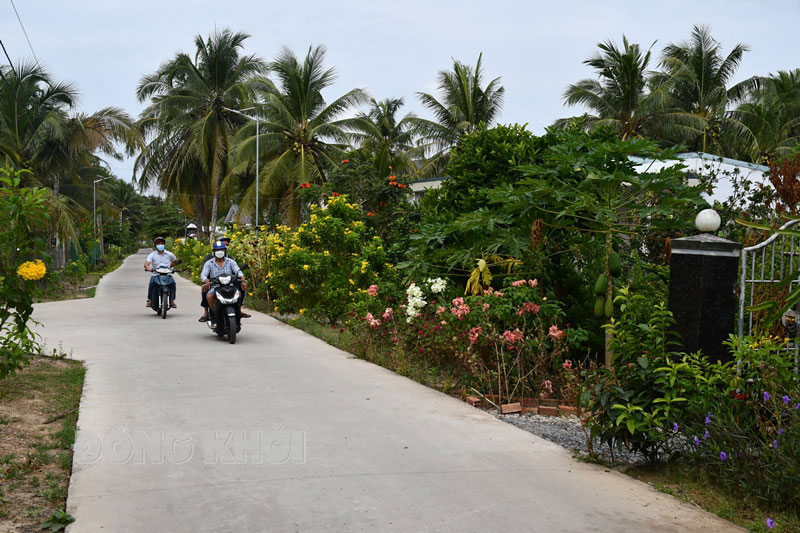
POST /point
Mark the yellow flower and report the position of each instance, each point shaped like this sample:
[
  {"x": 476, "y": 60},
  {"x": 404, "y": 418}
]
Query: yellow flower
[
  {"x": 302, "y": 311},
  {"x": 32, "y": 270},
  {"x": 291, "y": 286},
  {"x": 326, "y": 253},
  {"x": 249, "y": 293},
  {"x": 351, "y": 282},
  {"x": 305, "y": 267}
]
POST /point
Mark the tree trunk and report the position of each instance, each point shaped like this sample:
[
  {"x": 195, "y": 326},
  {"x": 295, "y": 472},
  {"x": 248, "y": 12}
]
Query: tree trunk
[
  {"x": 293, "y": 208},
  {"x": 215, "y": 179},
  {"x": 609, "y": 354}
]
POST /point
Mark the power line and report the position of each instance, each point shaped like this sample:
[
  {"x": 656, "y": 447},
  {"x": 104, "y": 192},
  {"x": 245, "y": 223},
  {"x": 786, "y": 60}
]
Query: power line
[
  {"x": 10, "y": 64},
  {"x": 23, "y": 31}
]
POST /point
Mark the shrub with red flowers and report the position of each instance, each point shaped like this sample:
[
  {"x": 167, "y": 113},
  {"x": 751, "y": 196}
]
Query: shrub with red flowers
[{"x": 507, "y": 342}]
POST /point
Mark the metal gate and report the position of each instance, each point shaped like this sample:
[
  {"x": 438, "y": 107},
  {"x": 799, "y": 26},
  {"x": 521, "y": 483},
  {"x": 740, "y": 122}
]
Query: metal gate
[{"x": 763, "y": 266}]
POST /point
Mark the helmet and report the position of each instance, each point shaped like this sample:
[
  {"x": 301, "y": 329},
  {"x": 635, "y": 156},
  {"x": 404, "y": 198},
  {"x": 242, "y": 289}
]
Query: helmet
[
  {"x": 219, "y": 245},
  {"x": 162, "y": 239},
  {"x": 225, "y": 239}
]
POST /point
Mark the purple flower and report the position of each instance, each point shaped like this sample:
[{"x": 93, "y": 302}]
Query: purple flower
[
  {"x": 723, "y": 456},
  {"x": 675, "y": 427},
  {"x": 708, "y": 418},
  {"x": 770, "y": 523},
  {"x": 786, "y": 400},
  {"x": 775, "y": 444},
  {"x": 706, "y": 434},
  {"x": 696, "y": 441},
  {"x": 797, "y": 406},
  {"x": 766, "y": 396}
]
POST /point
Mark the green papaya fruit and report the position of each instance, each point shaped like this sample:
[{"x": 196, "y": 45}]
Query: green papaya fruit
[
  {"x": 614, "y": 266},
  {"x": 608, "y": 308},
  {"x": 598, "y": 306},
  {"x": 601, "y": 285}
]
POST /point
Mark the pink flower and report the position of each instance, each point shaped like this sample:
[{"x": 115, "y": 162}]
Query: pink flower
[
  {"x": 395, "y": 340},
  {"x": 547, "y": 389},
  {"x": 474, "y": 333},
  {"x": 519, "y": 283},
  {"x": 460, "y": 309},
  {"x": 528, "y": 307},
  {"x": 533, "y": 282},
  {"x": 372, "y": 321},
  {"x": 513, "y": 337},
  {"x": 421, "y": 349},
  {"x": 567, "y": 364},
  {"x": 435, "y": 328},
  {"x": 440, "y": 310},
  {"x": 555, "y": 333},
  {"x": 373, "y": 290},
  {"x": 387, "y": 315}
]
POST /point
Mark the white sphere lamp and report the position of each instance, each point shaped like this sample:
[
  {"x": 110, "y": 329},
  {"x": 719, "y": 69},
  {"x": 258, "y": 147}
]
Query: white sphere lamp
[{"x": 707, "y": 221}]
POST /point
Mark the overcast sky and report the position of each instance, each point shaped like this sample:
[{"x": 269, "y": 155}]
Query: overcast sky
[{"x": 390, "y": 48}]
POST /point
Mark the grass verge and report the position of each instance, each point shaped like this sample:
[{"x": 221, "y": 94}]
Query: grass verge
[
  {"x": 85, "y": 287},
  {"x": 692, "y": 484},
  {"x": 36, "y": 456}
]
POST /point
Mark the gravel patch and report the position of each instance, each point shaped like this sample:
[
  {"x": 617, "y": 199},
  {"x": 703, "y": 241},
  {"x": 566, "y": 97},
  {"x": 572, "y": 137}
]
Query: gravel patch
[{"x": 567, "y": 433}]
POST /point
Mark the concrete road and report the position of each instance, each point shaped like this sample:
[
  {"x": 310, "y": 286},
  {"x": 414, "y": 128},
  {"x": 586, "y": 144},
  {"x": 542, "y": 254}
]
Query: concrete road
[{"x": 180, "y": 431}]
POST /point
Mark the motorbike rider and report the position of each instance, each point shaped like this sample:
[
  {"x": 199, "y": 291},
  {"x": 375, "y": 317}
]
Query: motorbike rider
[
  {"x": 203, "y": 301},
  {"x": 219, "y": 266},
  {"x": 160, "y": 258}
]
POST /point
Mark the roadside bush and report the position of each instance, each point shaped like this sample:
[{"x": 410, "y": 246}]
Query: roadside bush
[
  {"x": 506, "y": 342},
  {"x": 24, "y": 218},
  {"x": 191, "y": 252},
  {"x": 651, "y": 390},
  {"x": 750, "y": 434},
  {"x": 321, "y": 266}
]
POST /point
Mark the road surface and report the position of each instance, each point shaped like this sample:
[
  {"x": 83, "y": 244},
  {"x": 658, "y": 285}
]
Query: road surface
[{"x": 179, "y": 431}]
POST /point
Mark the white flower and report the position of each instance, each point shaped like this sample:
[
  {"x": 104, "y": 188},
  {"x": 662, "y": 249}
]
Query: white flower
[
  {"x": 437, "y": 285},
  {"x": 415, "y": 302}
]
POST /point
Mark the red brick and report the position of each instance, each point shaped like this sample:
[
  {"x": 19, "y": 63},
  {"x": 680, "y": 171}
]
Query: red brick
[
  {"x": 548, "y": 410},
  {"x": 473, "y": 401},
  {"x": 510, "y": 408},
  {"x": 566, "y": 410}
]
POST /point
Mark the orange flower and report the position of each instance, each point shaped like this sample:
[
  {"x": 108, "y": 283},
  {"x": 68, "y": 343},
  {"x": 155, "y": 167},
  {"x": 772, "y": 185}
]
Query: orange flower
[
  {"x": 305, "y": 185},
  {"x": 335, "y": 194},
  {"x": 402, "y": 185},
  {"x": 345, "y": 161},
  {"x": 370, "y": 214}
]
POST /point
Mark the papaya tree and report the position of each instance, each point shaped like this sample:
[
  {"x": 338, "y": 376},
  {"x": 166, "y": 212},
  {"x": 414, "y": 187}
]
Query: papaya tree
[{"x": 588, "y": 183}]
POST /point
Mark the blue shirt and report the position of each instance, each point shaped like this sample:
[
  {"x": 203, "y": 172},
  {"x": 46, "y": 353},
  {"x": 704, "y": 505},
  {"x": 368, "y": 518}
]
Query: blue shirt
[
  {"x": 160, "y": 260},
  {"x": 212, "y": 270}
]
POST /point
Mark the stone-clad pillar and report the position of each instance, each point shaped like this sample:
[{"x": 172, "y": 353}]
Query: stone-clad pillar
[{"x": 702, "y": 292}]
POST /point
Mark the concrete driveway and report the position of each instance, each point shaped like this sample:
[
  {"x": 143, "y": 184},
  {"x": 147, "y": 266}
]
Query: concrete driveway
[{"x": 180, "y": 431}]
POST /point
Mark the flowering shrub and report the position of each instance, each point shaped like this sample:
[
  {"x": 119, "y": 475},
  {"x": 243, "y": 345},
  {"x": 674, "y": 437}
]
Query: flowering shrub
[
  {"x": 24, "y": 218},
  {"x": 191, "y": 253},
  {"x": 324, "y": 264},
  {"x": 507, "y": 342},
  {"x": 750, "y": 434},
  {"x": 32, "y": 270}
]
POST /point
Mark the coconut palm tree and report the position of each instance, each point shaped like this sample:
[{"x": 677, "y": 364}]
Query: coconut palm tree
[
  {"x": 391, "y": 142},
  {"x": 189, "y": 119},
  {"x": 701, "y": 75},
  {"x": 771, "y": 115},
  {"x": 300, "y": 134},
  {"x": 464, "y": 104},
  {"x": 38, "y": 133},
  {"x": 623, "y": 95}
]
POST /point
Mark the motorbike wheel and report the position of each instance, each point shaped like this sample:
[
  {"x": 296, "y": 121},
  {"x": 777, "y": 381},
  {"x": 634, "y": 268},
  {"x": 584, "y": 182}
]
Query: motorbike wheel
[
  {"x": 220, "y": 329},
  {"x": 164, "y": 305},
  {"x": 231, "y": 329}
]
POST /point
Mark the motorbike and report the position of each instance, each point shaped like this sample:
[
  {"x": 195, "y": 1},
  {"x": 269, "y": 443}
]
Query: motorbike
[
  {"x": 227, "y": 312},
  {"x": 160, "y": 303}
]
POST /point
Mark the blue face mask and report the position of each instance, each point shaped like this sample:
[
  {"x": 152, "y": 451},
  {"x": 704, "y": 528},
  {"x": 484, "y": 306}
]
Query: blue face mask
[{"x": 160, "y": 247}]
